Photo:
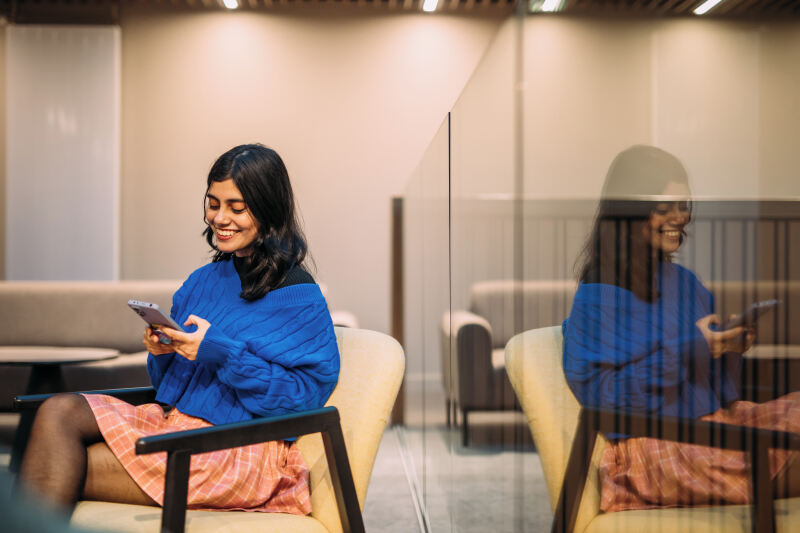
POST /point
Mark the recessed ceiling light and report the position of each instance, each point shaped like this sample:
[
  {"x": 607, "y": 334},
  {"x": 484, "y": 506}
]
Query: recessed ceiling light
[
  {"x": 706, "y": 6},
  {"x": 545, "y": 6},
  {"x": 430, "y": 5}
]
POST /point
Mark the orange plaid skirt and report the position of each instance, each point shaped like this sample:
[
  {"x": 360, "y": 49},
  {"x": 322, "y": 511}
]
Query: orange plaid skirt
[
  {"x": 266, "y": 477},
  {"x": 643, "y": 473}
]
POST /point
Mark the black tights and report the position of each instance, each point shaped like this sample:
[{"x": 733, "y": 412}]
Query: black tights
[{"x": 55, "y": 461}]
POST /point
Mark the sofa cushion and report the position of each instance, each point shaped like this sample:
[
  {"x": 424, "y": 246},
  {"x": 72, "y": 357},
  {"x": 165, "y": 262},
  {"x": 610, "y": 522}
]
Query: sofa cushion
[
  {"x": 542, "y": 302},
  {"x": 78, "y": 313}
]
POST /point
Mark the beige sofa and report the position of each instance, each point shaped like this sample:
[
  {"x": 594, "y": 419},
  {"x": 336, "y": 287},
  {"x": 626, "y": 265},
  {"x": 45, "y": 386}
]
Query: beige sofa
[
  {"x": 62, "y": 314},
  {"x": 473, "y": 368}
]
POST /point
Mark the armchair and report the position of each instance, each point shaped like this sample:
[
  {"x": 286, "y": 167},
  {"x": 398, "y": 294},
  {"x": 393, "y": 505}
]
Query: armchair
[
  {"x": 372, "y": 366},
  {"x": 570, "y": 441},
  {"x": 473, "y": 367}
]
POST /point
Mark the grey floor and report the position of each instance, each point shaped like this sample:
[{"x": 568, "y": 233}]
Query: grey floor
[{"x": 495, "y": 484}]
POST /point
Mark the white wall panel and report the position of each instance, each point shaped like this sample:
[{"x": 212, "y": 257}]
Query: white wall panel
[{"x": 63, "y": 124}]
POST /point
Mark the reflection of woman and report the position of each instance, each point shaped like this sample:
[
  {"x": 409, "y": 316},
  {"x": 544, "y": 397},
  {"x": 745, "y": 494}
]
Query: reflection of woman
[
  {"x": 642, "y": 337},
  {"x": 259, "y": 341}
]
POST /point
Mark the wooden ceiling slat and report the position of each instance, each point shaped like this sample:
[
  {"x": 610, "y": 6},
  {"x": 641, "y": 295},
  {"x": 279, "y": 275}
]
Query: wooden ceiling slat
[{"x": 740, "y": 9}]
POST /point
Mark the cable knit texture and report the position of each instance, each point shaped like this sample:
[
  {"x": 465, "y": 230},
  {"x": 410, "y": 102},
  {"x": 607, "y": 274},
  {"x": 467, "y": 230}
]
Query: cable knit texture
[
  {"x": 273, "y": 356},
  {"x": 622, "y": 352}
]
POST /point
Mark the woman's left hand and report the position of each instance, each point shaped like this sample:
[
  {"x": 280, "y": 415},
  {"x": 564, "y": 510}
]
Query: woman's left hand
[{"x": 187, "y": 344}]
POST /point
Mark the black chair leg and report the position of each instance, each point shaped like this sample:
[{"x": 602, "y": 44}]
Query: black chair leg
[
  {"x": 447, "y": 416},
  {"x": 464, "y": 429}
]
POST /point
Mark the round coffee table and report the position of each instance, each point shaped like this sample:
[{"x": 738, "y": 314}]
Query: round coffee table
[{"x": 46, "y": 361}]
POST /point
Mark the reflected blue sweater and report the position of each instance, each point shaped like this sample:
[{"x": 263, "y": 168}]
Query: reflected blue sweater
[
  {"x": 272, "y": 356},
  {"x": 624, "y": 353}
]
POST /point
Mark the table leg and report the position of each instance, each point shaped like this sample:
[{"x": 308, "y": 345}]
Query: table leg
[
  {"x": 46, "y": 379},
  {"x": 21, "y": 439}
]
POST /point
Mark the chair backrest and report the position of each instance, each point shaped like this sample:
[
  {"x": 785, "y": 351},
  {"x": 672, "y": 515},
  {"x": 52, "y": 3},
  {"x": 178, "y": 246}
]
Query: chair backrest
[
  {"x": 535, "y": 369},
  {"x": 543, "y": 303},
  {"x": 372, "y": 366}
]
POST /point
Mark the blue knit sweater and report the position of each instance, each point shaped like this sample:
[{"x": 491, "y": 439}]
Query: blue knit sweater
[
  {"x": 624, "y": 353},
  {"x": 272, "y": 356}
]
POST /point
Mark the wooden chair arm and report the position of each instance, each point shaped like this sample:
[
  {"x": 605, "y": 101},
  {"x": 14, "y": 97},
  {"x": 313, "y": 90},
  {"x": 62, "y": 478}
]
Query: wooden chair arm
[
  {"x": 181, "y": 445},
  {"x": 135, "y": 396},
  {"x": 29, "y": 404}
]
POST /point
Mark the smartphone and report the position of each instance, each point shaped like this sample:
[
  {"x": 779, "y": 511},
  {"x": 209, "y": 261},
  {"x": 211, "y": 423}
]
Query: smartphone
[
  {"x": 154, "y": 316},
  {"x": 749, "y": 316}
]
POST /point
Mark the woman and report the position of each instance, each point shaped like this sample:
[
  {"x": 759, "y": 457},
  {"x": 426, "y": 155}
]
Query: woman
[
  {"x": 258, "y": 341},
  {"x": 642, "y": 336}
]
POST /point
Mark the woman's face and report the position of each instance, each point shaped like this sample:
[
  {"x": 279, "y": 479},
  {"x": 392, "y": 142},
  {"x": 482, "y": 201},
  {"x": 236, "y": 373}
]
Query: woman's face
[
  {"x": 664, "y": 229},
  {"x": 233, "y": 225}
]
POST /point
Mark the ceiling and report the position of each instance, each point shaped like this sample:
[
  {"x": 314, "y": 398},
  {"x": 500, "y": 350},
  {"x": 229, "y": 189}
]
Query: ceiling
[
  {"x": 108, "y": 11},
  {"x": 727, "y": 8}
]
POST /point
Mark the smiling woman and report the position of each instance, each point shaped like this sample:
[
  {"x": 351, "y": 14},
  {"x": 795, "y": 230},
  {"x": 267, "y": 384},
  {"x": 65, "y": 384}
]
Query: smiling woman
[
  {"x": 259, "y": 341},
  {"x": 641, "y": 338},
  {"x": 227, "y": 216}
]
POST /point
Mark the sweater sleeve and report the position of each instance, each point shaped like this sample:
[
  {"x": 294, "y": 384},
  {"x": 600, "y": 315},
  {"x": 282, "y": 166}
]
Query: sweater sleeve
[
  {"x": 614, "y": 356},
  {"x": 290, "y": 364}
]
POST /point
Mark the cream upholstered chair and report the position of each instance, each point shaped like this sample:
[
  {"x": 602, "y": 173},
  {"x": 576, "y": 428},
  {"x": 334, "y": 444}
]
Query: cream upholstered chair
[
  {"x": 472, "y": 341},
  {"x": 534, "y": 365},
  {"x": 372, "y": 366}
]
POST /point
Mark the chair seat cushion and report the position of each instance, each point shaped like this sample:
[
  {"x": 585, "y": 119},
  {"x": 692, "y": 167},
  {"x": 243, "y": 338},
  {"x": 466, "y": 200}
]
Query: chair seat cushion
[
  {"x": 144, "y": 519},
  {"x": 727, "y": 518}
]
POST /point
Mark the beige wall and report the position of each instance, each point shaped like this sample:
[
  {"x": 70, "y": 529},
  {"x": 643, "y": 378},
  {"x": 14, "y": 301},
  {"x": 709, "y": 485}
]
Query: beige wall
[
  {"x": 721, "y": 95},
  {"x": 350, "y": 101},
  {"x": 3, "y": 223}
]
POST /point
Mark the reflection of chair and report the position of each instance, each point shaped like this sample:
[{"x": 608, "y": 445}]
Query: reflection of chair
[
  {"x": 534, "y": 362},
  {"x": 371, "y": 370},
  {"x": 473, "y": 368}
]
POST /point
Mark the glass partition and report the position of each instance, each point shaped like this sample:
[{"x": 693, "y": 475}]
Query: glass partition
[{"x": 654, "y": 160}]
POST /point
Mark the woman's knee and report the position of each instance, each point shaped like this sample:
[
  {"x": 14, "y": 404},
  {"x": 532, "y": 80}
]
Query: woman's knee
[{"x": 66, "y": 412}]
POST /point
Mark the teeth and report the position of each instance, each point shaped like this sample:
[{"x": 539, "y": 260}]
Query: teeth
[
  {"x": 225, "y": 232},
  {"x": 672, "y": 233}
]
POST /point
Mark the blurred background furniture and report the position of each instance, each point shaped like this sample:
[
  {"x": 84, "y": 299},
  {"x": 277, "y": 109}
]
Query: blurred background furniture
[
  {"x": 473, "y": 366},
  {"x": 45, "y": 364},
  {"x": 372, "y": 366},
  {"x": 534, "y": 361}
]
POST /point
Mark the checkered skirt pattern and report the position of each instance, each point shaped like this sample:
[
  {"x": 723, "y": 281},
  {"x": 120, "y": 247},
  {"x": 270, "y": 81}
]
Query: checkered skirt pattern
[
  {"x": 643, "y": 473},
  {"x": 266, "y": 477}
]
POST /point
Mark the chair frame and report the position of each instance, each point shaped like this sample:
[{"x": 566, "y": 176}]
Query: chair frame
[
  {"x": 751, "y": 440},
  {"x": 181, "y": 445}
]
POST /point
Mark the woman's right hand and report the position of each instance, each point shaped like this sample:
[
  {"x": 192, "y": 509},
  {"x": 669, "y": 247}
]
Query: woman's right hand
[
  {"x": 735, "y": 340},
  {"x": 150, "y": 340}
]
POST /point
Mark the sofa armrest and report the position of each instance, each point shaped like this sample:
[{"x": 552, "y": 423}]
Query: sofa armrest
[
  {"x": 345, "y": 319},
  {"x": 181, "y": 445},
  {"x": 452, "y": 322},
  {"x": 467, "y": 359}
]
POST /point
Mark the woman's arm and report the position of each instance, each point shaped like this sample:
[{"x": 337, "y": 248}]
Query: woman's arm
[{"x": 292, "y": 364}]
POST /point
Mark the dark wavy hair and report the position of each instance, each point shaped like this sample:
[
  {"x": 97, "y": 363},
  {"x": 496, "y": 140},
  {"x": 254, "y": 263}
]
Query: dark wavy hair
[
  {"x": 616, "y": 252},
  {"x": 260, "y": 175}
]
